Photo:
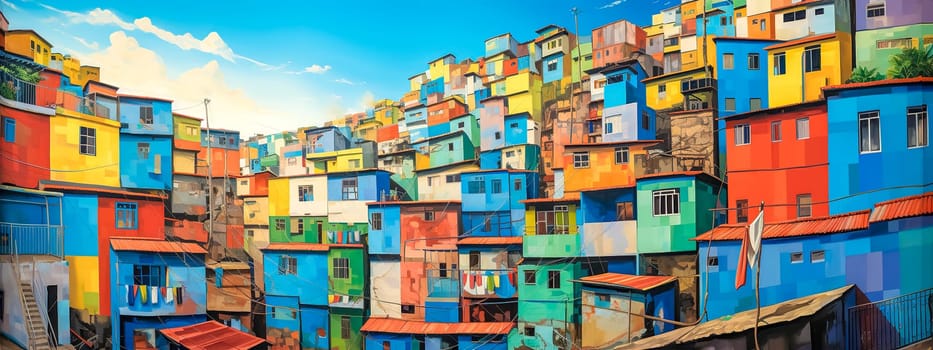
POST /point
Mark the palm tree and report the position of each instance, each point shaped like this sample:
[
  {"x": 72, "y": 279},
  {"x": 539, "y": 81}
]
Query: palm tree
[
  {"x": 912, "y": 62},
  {"x": 864, "y": 75}
]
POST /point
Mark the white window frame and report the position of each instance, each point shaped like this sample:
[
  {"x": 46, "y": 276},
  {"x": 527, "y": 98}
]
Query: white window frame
[
  {"x": 745, "y": 131},
  {"x": 867, "y": 118},
  {"x": 920, "y": 121},
  {"x": 581, "y": 160},
  {"x": 803, "y": 128},
  {"x": 665, "y": 202}
]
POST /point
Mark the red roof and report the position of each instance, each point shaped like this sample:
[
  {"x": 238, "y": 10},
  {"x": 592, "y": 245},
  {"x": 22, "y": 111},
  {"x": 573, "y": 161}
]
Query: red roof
[
  {"x": 391, "y": 325},
  {"x": 155, "y": 246},
  {"x": 491, "y": 240},
  {"x": 97, "y": 189},
  {"x": 883, "y": 82},
  {"x": 642, "y": 283},
  {"x": 568, "y": 197},
  {"x": 312, "y": 247},
  {"x": 211, "y": 335},
  {"x": 903, "y": 208},
  {"x": 614, "y": 143},
  {"x": 794, "y": 228},
  {"x": 804, "y": 40},
  {"x": 426, "y": 202}
]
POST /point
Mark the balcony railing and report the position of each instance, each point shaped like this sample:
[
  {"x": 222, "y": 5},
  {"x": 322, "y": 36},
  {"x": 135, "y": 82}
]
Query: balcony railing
[
  {"x": 443, "y": 283},
  {"x": 893, "y": 323},
  {"x": 497, "y": 283},
  {"x": 694, "y": 85},
  {"x": 31, "y": 239},
  {"x": 16, "y": 89}
]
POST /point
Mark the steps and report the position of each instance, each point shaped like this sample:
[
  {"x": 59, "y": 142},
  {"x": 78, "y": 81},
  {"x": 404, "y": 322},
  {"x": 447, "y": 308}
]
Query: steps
[{"x": 35, "y": 328}]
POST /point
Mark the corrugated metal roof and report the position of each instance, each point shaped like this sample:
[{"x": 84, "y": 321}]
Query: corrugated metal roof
[
  {"x": 642, "y": 283},
  {"x": 391, "y": 325},
  {"x": 427, "y": 202},
  {"x": 211, "y": 335},
  {"x": 155, "y": 246},
  {"x": 903, "y": 207},
  {"x": 795, "y": 228},
  {"x": 744, "y": 321},
  {"x": 58, "y": 186},
  {"x": 490, "y": 240},
  {"x": 313, "y": 247},
  {"x": 876, "y": 83}
]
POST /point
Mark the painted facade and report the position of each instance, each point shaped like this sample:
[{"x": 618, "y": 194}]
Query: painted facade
[
  {"x": 609, "y": 308},
  {"x": 88, "y": 149},
  {"x": 800, "y": 68}
]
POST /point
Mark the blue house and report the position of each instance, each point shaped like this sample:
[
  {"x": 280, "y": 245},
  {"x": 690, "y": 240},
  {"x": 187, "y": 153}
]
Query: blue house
[
  {"x": 719, "y": 22},
  {"x": 146, "y": 132},
  {"x": 386, "y": 333},
  {"x": 435, "y": 86},
  {"x": 416, "y": 120},
  {"x": 626, "y": 115},
  {"x": 157, "y": 284},
  {"x": 296, "y": 293},
  {"x": 516, "y": 145},
  {"x": 327, "y": 139},
  {"x": 607, "y": 298},
  {"x": 879, "y": 146},
  {"x": 609, "y": 227},
  {"x": 492, "y": 201}
]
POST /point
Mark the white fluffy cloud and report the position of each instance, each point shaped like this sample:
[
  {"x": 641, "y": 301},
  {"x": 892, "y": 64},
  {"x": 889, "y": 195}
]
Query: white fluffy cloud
[
  {"x": 317, "y": 69},
  {"x": 612, "y": 4}
]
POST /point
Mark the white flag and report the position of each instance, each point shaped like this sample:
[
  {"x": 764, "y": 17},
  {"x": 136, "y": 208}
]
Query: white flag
[{"x": 755, "y": 230}]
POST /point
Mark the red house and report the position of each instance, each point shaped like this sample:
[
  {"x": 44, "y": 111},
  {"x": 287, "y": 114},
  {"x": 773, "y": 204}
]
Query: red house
[
  {"x": 778, "y": 156},
  {"x": 24, "y": 132}
]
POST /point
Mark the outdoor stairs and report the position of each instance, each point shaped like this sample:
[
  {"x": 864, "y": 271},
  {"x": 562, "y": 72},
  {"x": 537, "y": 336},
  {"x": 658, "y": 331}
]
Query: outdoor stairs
[{"x": 35, "y": 328}]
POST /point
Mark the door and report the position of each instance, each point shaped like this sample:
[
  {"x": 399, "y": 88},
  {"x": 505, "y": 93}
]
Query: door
[{"x": 52, "y": 305}]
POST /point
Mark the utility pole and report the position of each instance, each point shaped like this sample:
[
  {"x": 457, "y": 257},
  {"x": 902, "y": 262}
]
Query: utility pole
[
  {"x": 210, "y": 182},
  {"x": 576, "y": 30}
]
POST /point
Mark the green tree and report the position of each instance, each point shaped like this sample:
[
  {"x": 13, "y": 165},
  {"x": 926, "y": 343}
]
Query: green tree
[
  {"x": 912, "y": 62},
  {"x": 864, "y": 75}
]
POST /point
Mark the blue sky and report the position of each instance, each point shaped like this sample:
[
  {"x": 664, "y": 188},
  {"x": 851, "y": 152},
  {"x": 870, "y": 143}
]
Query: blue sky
[{"x": 296, "y": 63}]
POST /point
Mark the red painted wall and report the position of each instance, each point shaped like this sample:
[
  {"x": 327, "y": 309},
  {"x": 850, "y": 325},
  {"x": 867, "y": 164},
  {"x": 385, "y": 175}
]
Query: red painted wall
[
  {"x": 259, "y": 184},
  {"x": 449, "y": 108},
  {"x": 30, "y": 146},
  {"x": 387, "y": 133},
  {"x": 776, "y": 172},
  {"x": 417, "y": 235},
  {"x": 232, "y": 162},
  {"x": 150, "y": 224},
  {"x": 510, "y": 67}
]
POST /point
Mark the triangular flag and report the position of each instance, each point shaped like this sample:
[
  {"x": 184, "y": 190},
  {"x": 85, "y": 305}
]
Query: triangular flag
[
  {"x": 755, "y": 230},
  {"x": 741, "y": 270}
]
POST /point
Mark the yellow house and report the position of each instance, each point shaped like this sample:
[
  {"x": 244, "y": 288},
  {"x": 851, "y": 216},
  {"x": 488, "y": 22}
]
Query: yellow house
[
  {"x": 663, "y": 91},
  {"x": 26, "y": 42},
  {"x": 278, "y": 197},
  {"x": 85, "y": 148},
  {"x": 524, "y": 94},
  {"x": 88, "y": 73},
  {"x": 386, "y": 112},
  {"x": 367, "y": 129},
  {"x": 70, "y": 66},
  {"x": 337, "y": 161},
  {"x": 798, "y": 69},
  {"x": 440, "y": 67}
]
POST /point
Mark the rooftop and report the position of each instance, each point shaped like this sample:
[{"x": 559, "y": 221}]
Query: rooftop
[
  {"x": 877, "y": 83},
  {"x": 617, "y": 143},
  {"x": 642, "y": 283},
  {"x": 211, "y": 335},
  {"x": 804, "y": 40},
  {"x": 155, "y": 246},
  {"x": 793, "y": 228},
  {"x": 308, "y": 247},
  {"x": 490, "y": 240},
  {"x": 65, "y": 186},
  {"x": 568, "y": 197},
  {"x": 430, "y": 202},
  {"x": 903, "y": 207},
  {"x": 391, "y": 325},
  {"x": 777, "y": 110},
  {"x": 673, "y": 74}
]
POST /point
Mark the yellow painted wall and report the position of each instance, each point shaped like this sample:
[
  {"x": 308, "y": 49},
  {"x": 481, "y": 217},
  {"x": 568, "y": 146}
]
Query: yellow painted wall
[
  {"x": 256, "y": 211},
  {"x": 657, "y": 19},
  {"x": 653, "y": 30},
  {"x": 438, "y": 69},
  {"x": 787, "y": 89},
  {"x": 100, "y": 169},
  {"x": 88, "y": 73},
  {"x": 338, "y": 161},
  {"x": 183, "y": 161},
  {"x": 524, "y": 94},
  {"x": 672, "y": 48},
  {"x": 690, "y": 10},
  {"x": 688, "y": 60},
  {"x": 531, "y": 219},
  {"x": 84, "y": 283},
  {"x": 602, "y": 172},
  {"x": 672, "y": 97},
  {"x": 278, "y": 197},
  {"x": 18, "y": 43}
]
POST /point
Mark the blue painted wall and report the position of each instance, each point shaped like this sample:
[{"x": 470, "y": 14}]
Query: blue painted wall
[
  {"x": 141, "y": 173},
  {"x": 506, "y": 207},
  {"x": 386, "y": 239},
  {"x": 557, "y": 73},
  {"x": 482, "y": 342},
  {"x": 370, "y": 184},
  {"x": 501, "y": 43},
  {"x": 516, "y": 129},
  {"x": 715, "y": 27},
  {"x": 312, "y": 266},
  {"x": 131, "y": 324},
  {"x": 658, "y": 302},
  {"x": 440, "y": 311},
  {"x": 329, "y": 139},
  {"x": 600, "y": 206},
  {"x": 895, "y": 165},
  {"x": 162, "y": 122},
  {"x": 435, "y": 86},
  {"x": 490, "y": 159},
  {"x": 438, "y": 129},
  {"x": 396, "y": 341},
  {"x": 470, "y": 126},
  {"x": 232, "y": 141},
  {"x": 30, "y": 208},
  {"x": 80, "y": 218},
  {"x": 314, "y": 322}
]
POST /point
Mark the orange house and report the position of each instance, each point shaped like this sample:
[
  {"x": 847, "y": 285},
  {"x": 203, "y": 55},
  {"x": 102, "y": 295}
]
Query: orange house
[
  {"x": 761, "y": 26},
  {"x": 778, "y": 156},
  {"x": 592, "y": 166},
  {"x": 441, "y": 111}
]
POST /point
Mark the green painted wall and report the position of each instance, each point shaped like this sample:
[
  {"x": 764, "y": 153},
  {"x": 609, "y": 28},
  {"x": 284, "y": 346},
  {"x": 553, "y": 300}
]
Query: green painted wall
[
  {"x": 337, "y": 341},
  {"x": 352, "y": 286},
  {"x": 309, "y": 232},
  {"x": 586, "y": 49},
  {"x": 868, "y": 55},
  {"x": 672, "y": 233},
  {"x": 538, "y": 303}
]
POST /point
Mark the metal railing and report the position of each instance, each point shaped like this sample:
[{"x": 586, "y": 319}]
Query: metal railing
[
  {"x": 40, "y": 292},
  {"x": 30, "y": 338},
  {"x": 31, "y": 239},
  {"x": 19, "y": 90},
  {"x": 893, "y": 323},
  {"x": 443, "y": 283}
]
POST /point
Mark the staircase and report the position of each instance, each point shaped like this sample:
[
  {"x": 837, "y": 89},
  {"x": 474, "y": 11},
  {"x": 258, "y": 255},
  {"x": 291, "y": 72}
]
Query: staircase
[{"x": 35, "y": 328}]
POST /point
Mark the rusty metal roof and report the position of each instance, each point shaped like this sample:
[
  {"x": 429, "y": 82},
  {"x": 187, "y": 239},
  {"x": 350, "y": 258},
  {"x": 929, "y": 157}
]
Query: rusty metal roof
[
  {"x": 490, "y": 240},
  {"x": 794, "y": 228},
  {"x": 903, "y": 207},
  {"x": 883, "y": 82},
  {"x": 391, "y": 325},
  {"x": 642, "y": 283},
  {"x": 155, "y": 246},
  {"x": 311, "y": 247},
  {"x": 48, "y": 185},
  {"x": 742, "y": 322},
  {"x": 211, "y": 335}
]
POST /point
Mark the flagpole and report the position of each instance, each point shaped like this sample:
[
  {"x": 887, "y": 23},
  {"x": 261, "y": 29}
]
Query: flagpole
[{"x": 761, "y": 210}]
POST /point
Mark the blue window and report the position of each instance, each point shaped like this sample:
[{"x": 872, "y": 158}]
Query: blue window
[
  {"x": 608, "y": 128},
  {"x": 9, "y": 129},
  {"x": 126, "y": 215}
]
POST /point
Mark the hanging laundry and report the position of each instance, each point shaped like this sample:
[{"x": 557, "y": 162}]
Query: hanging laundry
[
  {"x": 178, "y": 296},
  {"x": 129, "y": 295},
  {"x": 472, "y": 281},
  {"x": 512, "y": 277},
  {"x": 169, "y": 295},
  {"x": 162, "y": 290},
  {"x": 495, "y": 278},
  {"x": 490, "y": 284},
  {"x": 356, "y": 236},
  {"x": 155, "y": 295},
  {"x": 479, "y": 279},
  {"x": 466, "y": 279},
  {"x": 144, "y": 293}
]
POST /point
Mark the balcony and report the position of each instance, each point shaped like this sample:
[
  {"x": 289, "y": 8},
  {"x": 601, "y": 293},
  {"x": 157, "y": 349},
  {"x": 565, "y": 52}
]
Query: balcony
[
  {"x": 892, "y": 323},
  {"x": 13, "y": 88},
  {"x": 443, "y": 283},
  {"x": 31, "y": 239},
  {"x": 495, "y": 283},
  {"x": 697, "y": 85}
]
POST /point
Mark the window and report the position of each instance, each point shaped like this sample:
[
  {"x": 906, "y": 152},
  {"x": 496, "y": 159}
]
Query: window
[
  {"x": 869, "y": 132},
  {"x": 625, "y": 211},
  {"x": 126, "y": 215},
  {"x": 780, "y": 60},
  {"x": 723, "y": 21},
  {"x": 429, "y": 215},
  {"x": 581, "y": 160},
  {"x": 408, "y": 308},
  {"x": 728, "y": 61},
  {"x": 350, "y": 191},
  {"x": 754, "y": 61},
  {"x": 645, "y": 120},
  {"x": 795, "y": 16},
  {"x": 796, "y": 257},
  {"x": 375, "y": 221},
  {"x": 353, "y": 163},
  {"x": 9, "y": 129},
  {"x": 148, "y": 275},
  {"x": 776, "y": 131},
  {"x": 741, "y": 210},
  {"x": 763, "y": 25},
  {"x": 288, "y": 265},
  {"x": 341, "y": 268},
  {"x": 754, "y": 104},
  {"x": 518, "y": 184},
  {"x": 621, "y": 155},
  {"x": 803, "y": 205},
  {"x": 599, "y": 84},
  {"x": 666, "y": 202},
  {"x": 474, "y": 260},
  {"x": 487, "y": 223},
  {"x": 280, "y": 224},
  {"x": 530, "y": 277},
  {"x": 602, "y": 297},
  {"x": 145, "y": 115},
  {"x": 88, "y": 141},
  {"x": 529, "y": 331},
  {"x": 552, "y": 65},
  {"x": 453, "y": 178},
  {"x": 553, "y": 279},
  {"x": 818, "y": 12},
  {"x": 509, "y": 154},
  {"x": 386, "y": 345},
  {"x": 712, "y": 261},
  {"x": 608, "y": 128},
  {"x": 496, "y": 186},
  {"x": 223, "y": 140},
  {"x": 345, "y": 327},
  {"x": 498, "y": 135},
  {"x": 817, "y": 256},
  {"x": 917, "y": 135},
  {"x": 803, "y": 128},
  {"x": 670, "y": 41},
  {"x": 742, "y": 134},
  {"x": 450, "y": 146},
  {"x": 811, "y": 59},
  {"x": 902, "y": 43},
  {"x": 730, "y": 104},
  {"x": 476, "y": 186},
  {"x": 306, "y": 193},
  {"x": 662, "y": 88},
  {"x": 875, "y": 10}
]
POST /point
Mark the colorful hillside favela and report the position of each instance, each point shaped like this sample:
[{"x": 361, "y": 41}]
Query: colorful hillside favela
[{"x": 745, "y": 174}]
